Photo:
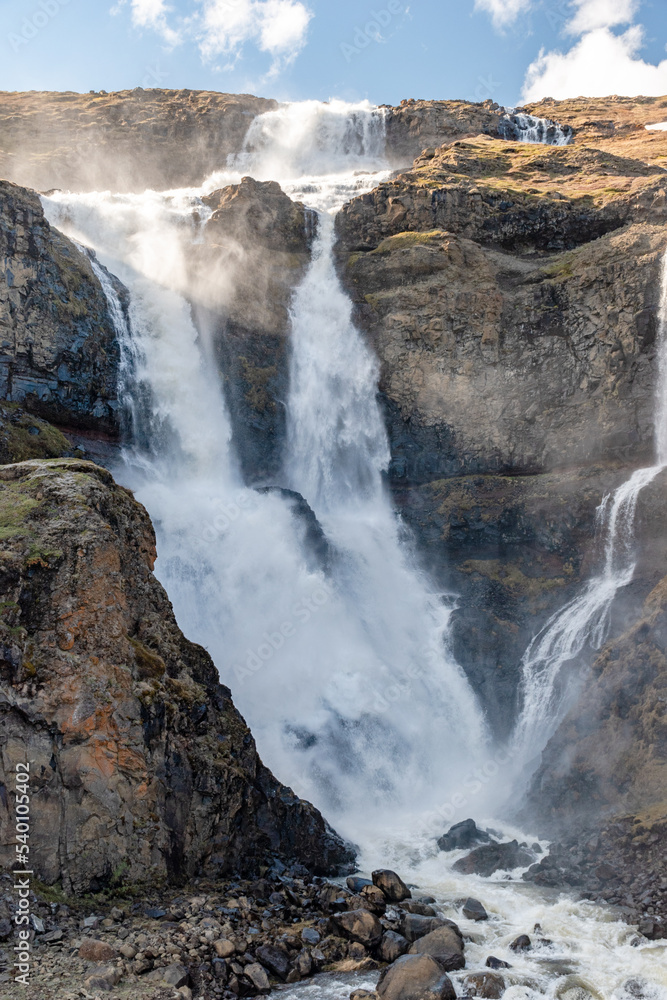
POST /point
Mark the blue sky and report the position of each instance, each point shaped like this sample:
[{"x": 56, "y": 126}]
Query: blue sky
[{"x": 297, "y": 49}]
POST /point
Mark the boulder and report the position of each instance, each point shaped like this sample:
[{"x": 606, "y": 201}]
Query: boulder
[
  {"x": 103, "y": 979},
  {"x": 443, "y": 944},
  {"x": 92, "y": 950},
  {"x": 488, "y": 985},
  {"x": 359, "y": 925},
  {"x": 418, "y": 907},
  {"x": 497, "y": 963},
  {"x": 373, "y": 899},
  {"x": 462, "y": 836},
  {"x": 522, "y": 943},
  {"x": 175, "y": 975},
  {"x": 414, "y": 926},
  {"x": 256, "y": 973},
  {"x": 275, "y": 960},
  {"x": 393, "y": 887},
  {"x": 355, "y": 883},
  {"x": 415, "y": 977},
  {"x": 474, "y": 910},
  {"x": 393, "y": 946},
  {"x": 491, "y": 858},
  {"x": 224, "y": 948}
]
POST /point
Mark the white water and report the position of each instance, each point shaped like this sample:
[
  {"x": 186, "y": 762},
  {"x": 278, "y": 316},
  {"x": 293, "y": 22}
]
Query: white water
[
  {"x": 530, "y": 129},
  {"x": 548, "y": 689},
  {"x": 343, "y": 676}
]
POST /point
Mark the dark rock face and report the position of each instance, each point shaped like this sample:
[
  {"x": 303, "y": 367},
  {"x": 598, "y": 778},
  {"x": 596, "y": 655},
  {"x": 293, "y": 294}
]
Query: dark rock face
[
  {"x": 445, "y": 945},
  {"x": 100, "y": 687},
  {"x": 392, "y": 885},
  {"x": 492, "y": 858},
  {"x": 59, "y": 356}
]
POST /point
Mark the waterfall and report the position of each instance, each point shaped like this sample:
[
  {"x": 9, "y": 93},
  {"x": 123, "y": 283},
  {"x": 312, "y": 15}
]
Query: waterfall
[
  {"x": 523, "y": 127},
  {"x": 585, "y": 621},
  {"x": 336, "y": 651}
]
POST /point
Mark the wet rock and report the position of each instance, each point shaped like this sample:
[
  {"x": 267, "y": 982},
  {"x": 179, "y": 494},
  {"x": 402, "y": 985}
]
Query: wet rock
[
  {"x": 462, "y": 836},
  {"x": 492, "y": 858},
  {"x": 474, "y": 910},
  {"x": 415, "y": 977},
  {"x": 652, "y": 928},
  {"x": 488, "y": 985},
  {"x": 275, "y": 960},
  {"x": 393, "y": 946},
  {"x": 522, "y": 943},
  {"x": 416, "y": 906},
  {"x": 355, "y": 883},
  {"x": 393, "y": 887},
  {"x": 360, "y": 925},
  {"x": 363, "y": 995},
  {"x": 96, "y": 951},
  {"x": 497, "y": 963},
  {"x": 443, "y": 944},
  {"x": 373, "y": 899},
  {"x": 414, "y": 926}
]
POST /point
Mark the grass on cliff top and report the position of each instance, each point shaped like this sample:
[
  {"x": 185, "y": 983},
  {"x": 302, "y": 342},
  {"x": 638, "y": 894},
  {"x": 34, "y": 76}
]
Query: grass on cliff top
[
  {"x": 533, "y": 171},
  {"x": 16, "y": 506},
  {"x": 24, "y": 437}
]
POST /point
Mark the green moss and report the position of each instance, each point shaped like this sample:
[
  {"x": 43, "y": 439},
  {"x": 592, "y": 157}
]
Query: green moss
[
  {"x": 509, "y": 575},
  {"x": 15, "y": 509},
  {"x": 37, "y": 556},
  {"x": 20, "y": 443},
  {"x": 403, "y": 241}
]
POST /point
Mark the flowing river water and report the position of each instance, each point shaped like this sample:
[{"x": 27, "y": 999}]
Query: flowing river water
[{"x": 341, "y": 666}]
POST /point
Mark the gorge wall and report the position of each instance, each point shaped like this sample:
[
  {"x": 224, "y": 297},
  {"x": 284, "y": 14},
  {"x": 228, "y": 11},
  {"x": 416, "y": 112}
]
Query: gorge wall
[{"x": 511, "y": 293}]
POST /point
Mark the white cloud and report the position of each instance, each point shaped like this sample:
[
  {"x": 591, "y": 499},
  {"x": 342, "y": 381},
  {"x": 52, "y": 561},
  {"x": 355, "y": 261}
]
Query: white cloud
[
  {"x": 601, "y": 63},
  {"x": 224, "y": 27},
  {"x": 276, "y": 26},
  {"x": 592, "y": 14},
  {"x": 503, "y": 12}
]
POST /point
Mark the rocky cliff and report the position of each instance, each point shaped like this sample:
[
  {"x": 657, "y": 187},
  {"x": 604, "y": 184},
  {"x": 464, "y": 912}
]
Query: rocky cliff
[
  {"x": 59, "y": 356},
  {"x": 142, "y": 769}
]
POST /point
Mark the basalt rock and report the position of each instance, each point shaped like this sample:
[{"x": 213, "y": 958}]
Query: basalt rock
[
  {"x": 59, "y": 356},
  {"x": 463, "y": 835},
  {"x": 141, "y": 765},
  {"x": 491, "y": 858}
]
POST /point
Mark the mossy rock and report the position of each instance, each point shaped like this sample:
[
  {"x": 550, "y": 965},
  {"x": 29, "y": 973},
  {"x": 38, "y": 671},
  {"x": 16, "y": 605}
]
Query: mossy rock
[{"x": 24, "y": 437}]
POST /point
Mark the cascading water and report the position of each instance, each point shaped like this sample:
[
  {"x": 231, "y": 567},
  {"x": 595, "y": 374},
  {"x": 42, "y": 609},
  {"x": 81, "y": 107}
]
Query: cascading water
[
  {"x": 341, "y": 668},
  {"x": 523, "y": 127},
  {"x": 585, "y": 621}
]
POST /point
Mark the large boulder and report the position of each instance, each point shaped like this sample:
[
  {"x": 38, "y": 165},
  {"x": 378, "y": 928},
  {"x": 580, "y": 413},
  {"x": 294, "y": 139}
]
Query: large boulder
[
  {"x": 491, "y": 858},
  {"x": 415, "y": 926},
  {"x": 394, "y": 888},
  {"x": 415, "y": 977},
  {"x": 359, "y": 925},
  {"x": 443, "y": 944},
  {"x": 118, "y": 713}
]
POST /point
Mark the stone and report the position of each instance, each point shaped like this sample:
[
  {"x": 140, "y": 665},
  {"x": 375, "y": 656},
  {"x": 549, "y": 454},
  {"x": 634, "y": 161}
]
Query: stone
[
  {"x": 156, "y": 913},
  {"x": 474, "y": 910},
  {"x": 392, "y": 886},
  {"x": 37, "y": 923},
  {"x": 497, "y": 963},
  {"x": 310, "y": 936},
  {"x": 359, "y": 925},
  {"x": 355, "y": 884},
  {"x": 419, "y": 907},
  {"x": 491, "y": 858},
  {"x": 304, "y": 963},
  {"x": 373, "y": 899},
  {"x": 275, "y": 960},
  {"x": 175, "y": 975},
  {"x": 522, "y": 943},
  {"x": 605, "y": 872},
  {"x": 414, "y": 926},
  {"x": 415, "y": 977},
  {"x": 128, "y": 951},
  {"x": 462, "y": 836},
  {"x": 103, "y": 979},
  {"x": 360, "y": 994},
  {"x": 224, "y": 948},
  {"x": 443, "y": 944},
  {"x": 96, "y": 951},
  {"x": 393, "y": 946},
  {"x": 6, "y": 929},
  {"x": 53, "y": 937},
  {"x": 488, "y": 985},
  {"x": 258, "y": 977}
]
